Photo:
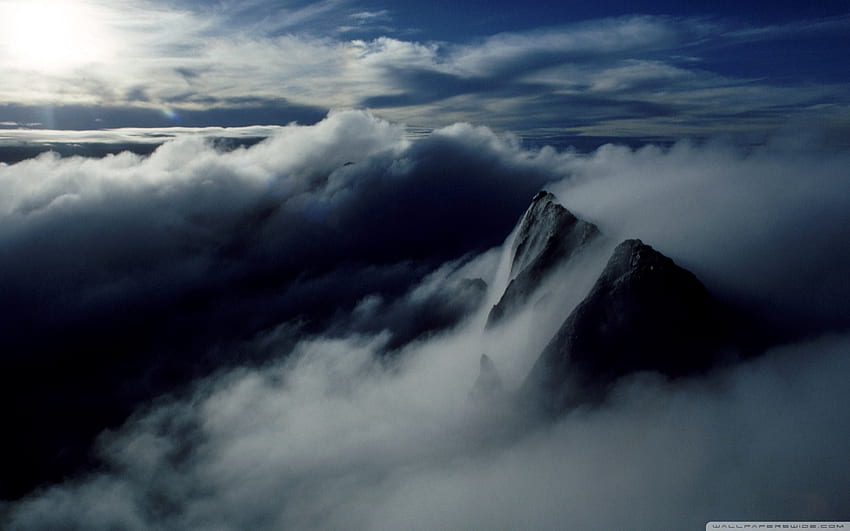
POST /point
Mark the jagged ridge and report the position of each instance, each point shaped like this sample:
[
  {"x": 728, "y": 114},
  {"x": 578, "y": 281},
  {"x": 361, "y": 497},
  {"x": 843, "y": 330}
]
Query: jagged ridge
[
  {"x": 643, "y": 313},
  {"x": 549, "y": 235}
]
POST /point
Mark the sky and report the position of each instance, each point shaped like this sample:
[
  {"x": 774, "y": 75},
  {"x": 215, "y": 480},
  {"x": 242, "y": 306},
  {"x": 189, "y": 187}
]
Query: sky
[
  {"x": 248, "y": 250},
  {"x": 541, "y": 69}
]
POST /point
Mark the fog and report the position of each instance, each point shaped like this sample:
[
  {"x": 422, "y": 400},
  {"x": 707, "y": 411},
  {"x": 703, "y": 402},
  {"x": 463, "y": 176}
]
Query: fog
[
  {"x": 284, "y": 280},
  {"x": 332, "y": 439},
  {"x": 764, "y": 225}
]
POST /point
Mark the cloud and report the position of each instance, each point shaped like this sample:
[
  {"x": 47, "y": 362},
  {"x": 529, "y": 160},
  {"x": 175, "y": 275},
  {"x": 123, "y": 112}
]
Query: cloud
[
  {"x": 367, "y": 16},
  {"x": 800, "y": 27},
  {"x": 127, "y": 135},
  {"x": 369, "y": 22},
  {"x": 746, "y": 220},
  {"x": 332, "y": 439},
  {"x": 499, "y": 63},
  {"x": 509, "y": 54},
  {"x": 178, "y": 112},
  {"x": 657, "y": 74},
  {"x": 282, "y": 281},
  {"x": 180, "y": 256}
]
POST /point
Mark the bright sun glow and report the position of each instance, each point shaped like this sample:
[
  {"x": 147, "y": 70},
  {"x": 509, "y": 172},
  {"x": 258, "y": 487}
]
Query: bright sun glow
[{"x": 51, "y": 35}]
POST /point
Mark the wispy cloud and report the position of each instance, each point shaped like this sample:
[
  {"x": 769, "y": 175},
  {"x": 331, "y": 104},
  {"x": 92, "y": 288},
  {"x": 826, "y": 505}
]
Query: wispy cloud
[
  {"x": 368, "y": 21},
  {"x": 800, "y": 28},
  {"x": 163, "y": 56},
  {"x": 368, "y": 16}
]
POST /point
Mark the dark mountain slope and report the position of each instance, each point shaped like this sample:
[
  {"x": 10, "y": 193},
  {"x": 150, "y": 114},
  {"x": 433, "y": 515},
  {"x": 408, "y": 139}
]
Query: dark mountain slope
[{"x": 644, "y": 313}]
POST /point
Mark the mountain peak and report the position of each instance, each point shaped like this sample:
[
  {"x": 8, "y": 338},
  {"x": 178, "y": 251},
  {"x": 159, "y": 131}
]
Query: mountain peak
[
  {"x": 632, "y": 259},
  {"x": 548, "y": 235},
  {"x": 644, "y": 313},
  {"x": 543, "y": 219},
  {"x": 543, "y": 195}
]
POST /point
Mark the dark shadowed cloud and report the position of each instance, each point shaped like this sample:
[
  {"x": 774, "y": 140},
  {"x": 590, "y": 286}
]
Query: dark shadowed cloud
[{"x": 114, "y": 262}]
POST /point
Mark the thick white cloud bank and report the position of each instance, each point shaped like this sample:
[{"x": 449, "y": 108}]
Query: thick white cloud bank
[
  {"x": 765, "y": 223},
  {"x": 329, "y": 440},
  {"x": 331, "y": 433}
]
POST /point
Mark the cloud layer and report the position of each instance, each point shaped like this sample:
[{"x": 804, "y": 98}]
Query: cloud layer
[
  {"x": 112, "y": 263},
  {"x": 747, "y": 221},
  {"x": 319, "y": 291},
  {"x": 333, "y": 439}
]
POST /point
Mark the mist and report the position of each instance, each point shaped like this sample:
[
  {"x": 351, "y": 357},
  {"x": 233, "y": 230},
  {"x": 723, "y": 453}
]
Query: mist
[
  {"x": 332, "y": 438},
  {"x": 283, "y": 278},
  {"x": 761, "y": 225}
]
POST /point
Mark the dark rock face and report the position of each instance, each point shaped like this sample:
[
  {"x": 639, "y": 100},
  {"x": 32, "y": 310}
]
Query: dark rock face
[
  {"x": 644, "y": 313},
  {"x": 548, "y": 235}
]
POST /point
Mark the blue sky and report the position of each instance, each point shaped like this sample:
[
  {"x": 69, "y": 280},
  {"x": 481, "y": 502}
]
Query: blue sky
[{"x": 647, "y": 69}]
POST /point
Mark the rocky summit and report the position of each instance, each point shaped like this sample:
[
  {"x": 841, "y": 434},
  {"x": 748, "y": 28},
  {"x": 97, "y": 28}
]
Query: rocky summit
[
  {"x": 547, "y": 237},
  {"x": 644, "y": 313}
]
